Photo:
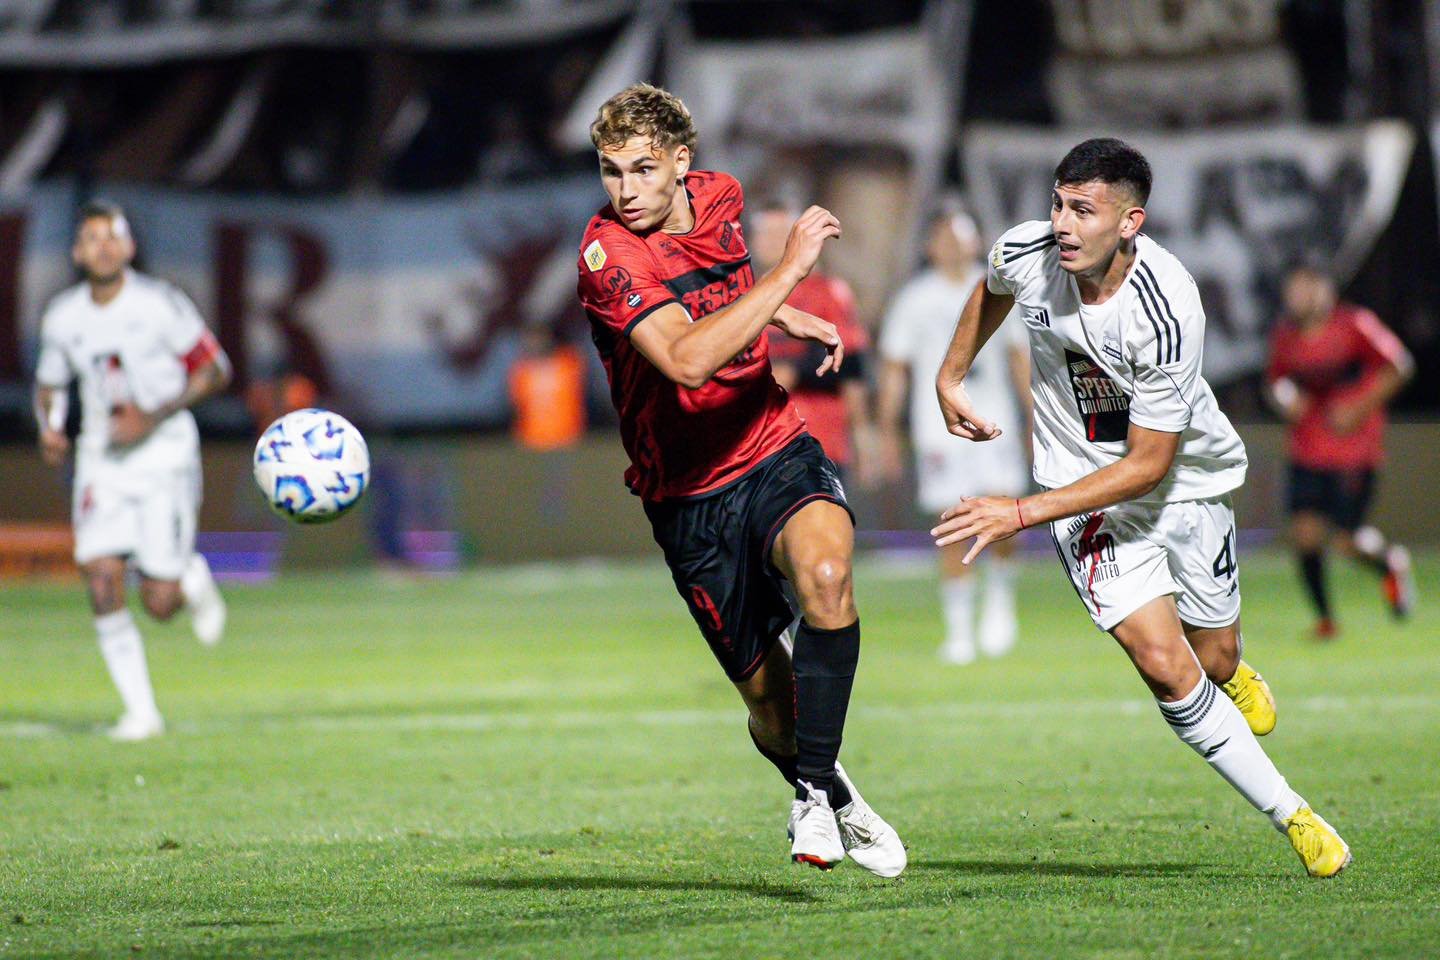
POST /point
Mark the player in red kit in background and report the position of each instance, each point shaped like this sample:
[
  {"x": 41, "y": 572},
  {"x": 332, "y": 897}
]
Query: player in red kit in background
[
  {"x": 741, "y": 500},
  {"x": 836, "y": 410},
  {"x": 1333, "y": 368}
]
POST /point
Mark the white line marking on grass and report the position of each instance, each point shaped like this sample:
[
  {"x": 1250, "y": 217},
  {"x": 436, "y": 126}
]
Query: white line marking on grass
[{"x": 599, "y": 719}]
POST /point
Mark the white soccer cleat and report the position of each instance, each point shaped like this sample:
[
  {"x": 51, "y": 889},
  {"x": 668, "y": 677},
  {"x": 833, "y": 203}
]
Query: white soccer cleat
[
  {"x": 867, "y": 838},
  {"x": 997, "y": 636},
  {"x": 203, "y": 599},
  {"x": 958, "y": 653},
  {"x": 815, "y": 835},
  {"x": 136, "y": 726}
]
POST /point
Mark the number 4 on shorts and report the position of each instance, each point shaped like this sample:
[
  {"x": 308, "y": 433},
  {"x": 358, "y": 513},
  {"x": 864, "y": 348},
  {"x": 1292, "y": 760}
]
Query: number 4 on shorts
[{"x": 1225, "y": 560}]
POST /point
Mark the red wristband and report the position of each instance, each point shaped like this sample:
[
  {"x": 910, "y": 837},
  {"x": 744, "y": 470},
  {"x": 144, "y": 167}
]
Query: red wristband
[{"x": 1018, "y": 514}]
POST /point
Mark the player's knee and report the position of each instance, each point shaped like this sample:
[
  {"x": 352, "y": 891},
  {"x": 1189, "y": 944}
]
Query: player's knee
[
  {"x": 825, "y": 592},
  {"x": 162, "y": 602},
  {"x": 1162, "y": 664},
  {"x": 106, "y": 585}
]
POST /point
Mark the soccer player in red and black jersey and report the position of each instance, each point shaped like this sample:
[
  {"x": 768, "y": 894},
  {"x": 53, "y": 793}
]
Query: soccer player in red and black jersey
[
  {"x": 836, "y": 409},
  {"x": 744, "y": 504},
  {"x": 1333, "y": 368}
]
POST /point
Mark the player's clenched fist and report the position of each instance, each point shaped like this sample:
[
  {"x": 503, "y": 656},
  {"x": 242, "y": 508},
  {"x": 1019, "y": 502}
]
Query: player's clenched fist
[{"x": 807, "y": 238}]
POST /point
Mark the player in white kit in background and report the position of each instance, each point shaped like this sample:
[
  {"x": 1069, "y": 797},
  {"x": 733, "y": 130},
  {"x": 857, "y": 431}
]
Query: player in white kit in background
[
  {"x": 913, "y": 340},
  {"x": 142, "y": 356},
  {"x": 1137, "y": 461}
]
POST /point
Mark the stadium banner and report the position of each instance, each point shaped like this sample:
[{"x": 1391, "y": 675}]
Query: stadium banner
[
  {"x": 402, "y": 310},
  {"x": 1187, "y": 62},
  {"x": 109, "y": 35},
  {"x": 861, "y": 124},
  {"x": 1236, "y": 206}
]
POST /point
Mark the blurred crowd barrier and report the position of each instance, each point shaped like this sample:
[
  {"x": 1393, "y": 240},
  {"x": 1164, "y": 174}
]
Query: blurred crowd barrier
[{"x": 440, "y": 503}]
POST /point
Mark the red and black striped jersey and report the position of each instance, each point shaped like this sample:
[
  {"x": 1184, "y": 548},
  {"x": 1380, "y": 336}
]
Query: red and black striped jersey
[{"x": 682, "y": 443}]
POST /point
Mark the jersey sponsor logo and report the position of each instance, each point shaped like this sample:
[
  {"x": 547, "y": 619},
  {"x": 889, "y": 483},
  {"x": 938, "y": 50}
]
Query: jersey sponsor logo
[
  {"x": 1103, "y": 406},
  {"x": 633, "y": 300},
  {"x": 594, "y": 256},
  {"x": 997, "y": 255},
  {"x": 616, "y": 280},
  {"x": 708, "y": 289}
]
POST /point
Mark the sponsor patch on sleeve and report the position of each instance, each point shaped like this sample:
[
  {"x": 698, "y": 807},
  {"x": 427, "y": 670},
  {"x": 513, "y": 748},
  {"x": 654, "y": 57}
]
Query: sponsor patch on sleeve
[
  {"x": 997, "y": 256},
  {"x": 594, "y": 256}
]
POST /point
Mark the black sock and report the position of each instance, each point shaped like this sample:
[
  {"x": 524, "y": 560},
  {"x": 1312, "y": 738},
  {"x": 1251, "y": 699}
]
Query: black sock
[
  {"x": 839, "y": 795},
  {"x": 1312, "y": 568},
  {"x": 824, "y": 673}
]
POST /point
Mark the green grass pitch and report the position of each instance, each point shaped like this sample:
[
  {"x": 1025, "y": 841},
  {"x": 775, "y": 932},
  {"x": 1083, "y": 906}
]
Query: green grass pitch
[{"x": 547, "y": 763}]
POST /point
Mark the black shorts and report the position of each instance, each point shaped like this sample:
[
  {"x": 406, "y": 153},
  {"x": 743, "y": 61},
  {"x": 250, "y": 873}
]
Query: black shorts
[
  {"x": 1341, "y": 496},
  {"x": 718, "y": 551}
]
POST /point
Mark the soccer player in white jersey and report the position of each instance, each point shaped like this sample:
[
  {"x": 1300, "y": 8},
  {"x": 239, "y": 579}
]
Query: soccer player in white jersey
[
  {"x": 1137, "y": 462},
  {"x": 143, "y": 356},
  {"x": 913, "y": 339}
]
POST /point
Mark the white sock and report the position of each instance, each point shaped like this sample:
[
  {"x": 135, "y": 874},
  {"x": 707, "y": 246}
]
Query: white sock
[
  {"x": 957, "y": 599},
  {"x": 997, "y": 616},
  {"x": 197, "y": 583},
  {"x": 124, "y": 654},
  {"x": 1215, "y": 729}
]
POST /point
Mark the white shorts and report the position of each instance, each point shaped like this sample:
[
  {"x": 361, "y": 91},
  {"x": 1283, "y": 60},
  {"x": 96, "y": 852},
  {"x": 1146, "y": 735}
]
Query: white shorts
[
  {"x": 1121, "y": 558},
  {"x": 151, "y": 519},
  {"x": 963, "y": 468}
]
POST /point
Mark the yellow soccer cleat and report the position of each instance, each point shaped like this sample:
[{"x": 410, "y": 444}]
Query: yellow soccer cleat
[
  {"x": 1253, "y": 698},
  {"x": 1320, "y": 847}
]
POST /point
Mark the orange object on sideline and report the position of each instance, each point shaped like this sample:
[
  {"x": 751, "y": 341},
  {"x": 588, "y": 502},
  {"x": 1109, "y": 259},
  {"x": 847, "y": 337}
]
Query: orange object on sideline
[{"x": 548, "y": 393}]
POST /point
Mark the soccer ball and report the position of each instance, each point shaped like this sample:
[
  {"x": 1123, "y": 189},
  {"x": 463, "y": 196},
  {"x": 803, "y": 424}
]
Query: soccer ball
[{"x": 312, "y": 465}]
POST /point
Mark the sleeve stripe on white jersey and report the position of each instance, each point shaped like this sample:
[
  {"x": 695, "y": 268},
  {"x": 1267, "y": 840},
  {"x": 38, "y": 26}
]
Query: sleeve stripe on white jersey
[
  {"x": 1033, "y": 247},
  {"x": 1158, "y": 291},
  {"x": 1027, "y": 243},
  {"x": 1159, "y": 338},
  {"x": 1167, "y": 329}
]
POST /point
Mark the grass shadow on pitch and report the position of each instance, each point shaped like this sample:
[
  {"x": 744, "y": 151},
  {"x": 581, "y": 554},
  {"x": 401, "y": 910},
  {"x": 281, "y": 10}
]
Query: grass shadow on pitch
[
  {"x": 572, "y": 882},
  {"x": 1050, "y": 868}
]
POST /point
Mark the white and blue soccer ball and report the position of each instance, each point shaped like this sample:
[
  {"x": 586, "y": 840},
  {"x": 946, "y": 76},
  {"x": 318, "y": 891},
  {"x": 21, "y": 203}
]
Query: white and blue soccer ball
[{"x": 312, "y": 465}]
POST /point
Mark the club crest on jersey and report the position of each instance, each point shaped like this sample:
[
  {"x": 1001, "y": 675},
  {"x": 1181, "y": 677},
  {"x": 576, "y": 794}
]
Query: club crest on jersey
[
  {"x": 594, "y": 256},
  {"x": 1103, "y": 407},
  {"x": 727, "y": 235},
  {"x": 1111, "y": 349}
]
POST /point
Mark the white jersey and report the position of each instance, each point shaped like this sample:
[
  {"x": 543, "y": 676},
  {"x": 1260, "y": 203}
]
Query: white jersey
[
  {"x": 130, "y": 350},
  {"x": 1135, "y": 358},
  {"x": 917, "y": 332}
]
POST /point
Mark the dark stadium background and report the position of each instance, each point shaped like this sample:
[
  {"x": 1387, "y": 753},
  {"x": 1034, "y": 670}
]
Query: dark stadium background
[{"x": 246, "y": 137}]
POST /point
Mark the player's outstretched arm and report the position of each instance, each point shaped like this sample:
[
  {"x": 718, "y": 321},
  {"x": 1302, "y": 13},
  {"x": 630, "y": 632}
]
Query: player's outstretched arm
[
  {"x": 690, "y": 353},
  {"x": 51, "y": 407},
  {"x": 981, "y": 317},
  {"x": 987, "y": 519},
  {"x": 129, "y": 424}
]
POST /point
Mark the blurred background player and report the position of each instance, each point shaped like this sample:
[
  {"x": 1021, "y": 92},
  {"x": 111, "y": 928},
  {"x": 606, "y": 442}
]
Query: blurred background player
[
  {"x": 143, "y": 356},
  {"x": 913, "y": 340},
  {"x": 1333, "y": 369},
  {"x": 836, "y": 409}
]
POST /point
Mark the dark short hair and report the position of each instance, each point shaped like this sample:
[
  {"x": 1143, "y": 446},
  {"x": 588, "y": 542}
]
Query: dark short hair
[
  {"x": 98, "y": 209},
  {"x": 1109, "y": 161}
]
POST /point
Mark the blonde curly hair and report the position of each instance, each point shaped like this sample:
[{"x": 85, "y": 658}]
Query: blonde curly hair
[{"x": 643, "y": 110}]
